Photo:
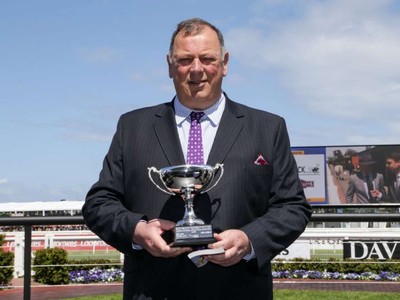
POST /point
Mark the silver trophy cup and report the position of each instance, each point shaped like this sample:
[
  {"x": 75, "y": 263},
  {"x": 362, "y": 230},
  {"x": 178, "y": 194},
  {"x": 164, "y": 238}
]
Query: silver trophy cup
[{"x": 188, "y": 181}]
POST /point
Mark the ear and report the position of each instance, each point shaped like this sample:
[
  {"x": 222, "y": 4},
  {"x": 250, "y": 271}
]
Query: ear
[
  {"x": 226, "y": 60},
  {"x": 169, "y": 62}
]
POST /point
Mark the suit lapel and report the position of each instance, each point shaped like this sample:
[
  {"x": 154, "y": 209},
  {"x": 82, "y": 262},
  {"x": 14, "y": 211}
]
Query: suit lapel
[
  {"x": 231, "y": 124},
  {"x": 167, "y": 135}
]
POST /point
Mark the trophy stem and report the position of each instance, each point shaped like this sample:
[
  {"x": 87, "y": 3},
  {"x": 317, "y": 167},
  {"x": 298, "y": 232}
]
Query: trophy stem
[{"x": 189, "y": 217}]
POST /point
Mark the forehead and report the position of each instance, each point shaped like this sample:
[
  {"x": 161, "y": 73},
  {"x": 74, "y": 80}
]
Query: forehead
[{"x": 205, "y": 40}]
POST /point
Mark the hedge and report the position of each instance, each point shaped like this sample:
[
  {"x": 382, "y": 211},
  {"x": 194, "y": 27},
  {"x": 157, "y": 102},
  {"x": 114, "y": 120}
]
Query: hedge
[{"x": 6, "y": 264}]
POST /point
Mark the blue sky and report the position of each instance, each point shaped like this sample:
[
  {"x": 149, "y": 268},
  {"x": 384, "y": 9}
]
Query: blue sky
[{"x": 69, "y": 69}]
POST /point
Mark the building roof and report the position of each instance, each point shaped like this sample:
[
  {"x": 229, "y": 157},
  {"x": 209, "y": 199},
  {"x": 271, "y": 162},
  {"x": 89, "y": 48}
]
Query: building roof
[{"x": 41, "y": 206}]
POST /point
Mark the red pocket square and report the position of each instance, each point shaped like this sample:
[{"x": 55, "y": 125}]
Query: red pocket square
[{"x": 261, "y": 161}]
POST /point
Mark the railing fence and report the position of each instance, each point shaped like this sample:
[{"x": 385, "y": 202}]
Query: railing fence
[{"x": 28, "y": 222}]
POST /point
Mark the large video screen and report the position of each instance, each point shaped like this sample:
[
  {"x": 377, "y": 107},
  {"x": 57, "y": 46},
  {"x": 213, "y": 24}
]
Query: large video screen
[{"x": 345, "y": 175}]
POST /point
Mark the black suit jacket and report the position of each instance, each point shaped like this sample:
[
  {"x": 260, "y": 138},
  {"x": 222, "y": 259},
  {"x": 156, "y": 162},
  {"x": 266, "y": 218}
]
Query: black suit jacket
[
  {"x": 393, "y": 191},
  {"x": 265, "y": 201}
]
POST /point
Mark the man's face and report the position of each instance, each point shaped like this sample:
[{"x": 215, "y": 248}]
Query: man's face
[
  {"x": 197, "y": 68},
  {"x": 392, "y": 165}
]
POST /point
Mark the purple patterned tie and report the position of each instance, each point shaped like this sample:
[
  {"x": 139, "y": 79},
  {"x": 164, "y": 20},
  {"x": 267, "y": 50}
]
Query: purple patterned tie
[{"x": 195, "y": 146}]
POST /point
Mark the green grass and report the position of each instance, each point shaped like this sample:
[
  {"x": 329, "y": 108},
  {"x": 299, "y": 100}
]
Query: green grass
[
  {"x": 82, "y": 255},
  {"x": 331, "y": 295},
  {"x": 99, "y": 297},
  {"x": 326, "y": 254},
  {"x": 294, "y": 295}
]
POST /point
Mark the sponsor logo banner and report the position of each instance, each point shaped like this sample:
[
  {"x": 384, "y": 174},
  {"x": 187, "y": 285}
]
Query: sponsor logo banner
[{"x": 371, "y": 250}]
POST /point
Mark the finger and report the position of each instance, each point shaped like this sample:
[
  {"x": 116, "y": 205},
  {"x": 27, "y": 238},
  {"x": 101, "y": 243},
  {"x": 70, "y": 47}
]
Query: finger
[
  {"x": 175, "y": 251},
  {"x": 222, "y": 261},
  {"x": 166, "y": 224},
  {"x": 218, "y": 243}
]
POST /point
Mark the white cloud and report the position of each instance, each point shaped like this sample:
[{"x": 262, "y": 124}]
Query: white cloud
[
  {"x": 3, "y": 180},
  {"x": 340, "y": 59}
]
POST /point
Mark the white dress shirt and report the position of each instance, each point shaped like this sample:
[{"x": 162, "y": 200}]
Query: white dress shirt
[{"x": 209, "y": 124}]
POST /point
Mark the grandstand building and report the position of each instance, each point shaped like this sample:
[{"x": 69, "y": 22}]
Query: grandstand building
[{"x": 41, "y": 208}]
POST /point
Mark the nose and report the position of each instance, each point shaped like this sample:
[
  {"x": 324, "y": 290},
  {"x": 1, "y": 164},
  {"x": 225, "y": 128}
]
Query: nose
[{"x": 196, "y": 66}]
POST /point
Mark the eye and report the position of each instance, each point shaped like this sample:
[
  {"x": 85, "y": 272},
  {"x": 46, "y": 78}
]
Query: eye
[
  {"x": 184, "y": 61},
  {"x": 207, "y": 60}
]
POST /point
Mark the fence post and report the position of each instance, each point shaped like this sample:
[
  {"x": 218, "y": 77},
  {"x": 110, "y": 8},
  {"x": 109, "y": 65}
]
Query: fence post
[
  {"x": 27, "y": 262},
  {"x": 19, "y": 255}
]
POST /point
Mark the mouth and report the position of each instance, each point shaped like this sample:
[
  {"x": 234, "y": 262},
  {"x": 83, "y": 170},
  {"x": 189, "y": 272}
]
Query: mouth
[{"x": 197, "y": 82}]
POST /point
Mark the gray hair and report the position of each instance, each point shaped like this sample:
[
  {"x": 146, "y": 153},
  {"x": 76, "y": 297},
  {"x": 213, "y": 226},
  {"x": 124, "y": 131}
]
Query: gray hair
[{"x": 195, "y": 26}]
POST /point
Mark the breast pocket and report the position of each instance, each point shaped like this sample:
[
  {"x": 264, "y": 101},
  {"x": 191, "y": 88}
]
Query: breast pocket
[
  {"x": 259, "y": 177},
  {"x": 257, "y": 170}
]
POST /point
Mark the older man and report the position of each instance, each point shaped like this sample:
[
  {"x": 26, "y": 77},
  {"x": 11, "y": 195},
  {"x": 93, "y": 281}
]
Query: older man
[{"x": 257, "y": 209}]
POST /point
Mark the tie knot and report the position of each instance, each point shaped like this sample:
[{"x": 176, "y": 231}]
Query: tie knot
[{"x": 196, "y": 115}]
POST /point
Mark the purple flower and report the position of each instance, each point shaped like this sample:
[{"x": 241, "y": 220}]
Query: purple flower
[{"x": 96, "y": 275}]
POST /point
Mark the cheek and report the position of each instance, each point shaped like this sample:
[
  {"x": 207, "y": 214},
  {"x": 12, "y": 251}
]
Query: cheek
[
  {"x": 182, "y": 75},
  {"x": 212, "y": 73},
  {"x": 178, "y": 72},
  {"x": 217, "y": 71}
]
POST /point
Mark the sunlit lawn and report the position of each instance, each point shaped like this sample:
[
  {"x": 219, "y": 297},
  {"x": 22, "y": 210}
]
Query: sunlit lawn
[
  {"x": 296, "y": 295},
  {"x": 332, "y": 295},
  {"x": 79, "y": 255}
]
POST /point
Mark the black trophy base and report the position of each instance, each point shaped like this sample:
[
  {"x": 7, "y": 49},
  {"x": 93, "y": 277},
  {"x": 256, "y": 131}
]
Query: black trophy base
[{"x": 193, "y": 235}]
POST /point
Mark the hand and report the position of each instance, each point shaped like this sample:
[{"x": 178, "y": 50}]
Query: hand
[
  {"x": 148, "y": 235},
  {"x": 236, "y": 245},
  {"x": 375, "y": 193}
]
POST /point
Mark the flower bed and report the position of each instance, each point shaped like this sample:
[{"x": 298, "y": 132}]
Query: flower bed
[
  {"x": 303, "y": 274},
  {"x": 96, "y": 275}
]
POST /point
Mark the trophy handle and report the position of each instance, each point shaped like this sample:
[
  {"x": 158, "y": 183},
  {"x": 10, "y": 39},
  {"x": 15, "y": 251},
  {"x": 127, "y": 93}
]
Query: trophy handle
[
  {"x": 217, "y": 166},
  {"x": 153, "y": 169}
]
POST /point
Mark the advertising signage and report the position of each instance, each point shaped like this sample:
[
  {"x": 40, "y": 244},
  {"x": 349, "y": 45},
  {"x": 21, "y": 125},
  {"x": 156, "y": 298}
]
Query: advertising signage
[
  {"x": 312, "y": 168},
  {"x": 345, "y": 175},
  {"x": 381, "y": 250}
]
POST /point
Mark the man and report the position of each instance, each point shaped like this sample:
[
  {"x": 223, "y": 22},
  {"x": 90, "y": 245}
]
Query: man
[
  {"x": 393, "y": 167},
  {"x": 257, "y": 209},
  {"x": 366, "y": 186}
]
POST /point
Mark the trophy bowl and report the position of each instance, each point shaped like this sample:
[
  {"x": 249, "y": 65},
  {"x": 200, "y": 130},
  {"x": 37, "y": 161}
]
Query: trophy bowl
[
  {"x": 188, "y": 181},
  {"x": 178, "y": 178}
]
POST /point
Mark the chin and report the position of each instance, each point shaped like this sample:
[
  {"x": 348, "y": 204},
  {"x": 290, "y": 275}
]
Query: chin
[{"x": 200, "y": 99}]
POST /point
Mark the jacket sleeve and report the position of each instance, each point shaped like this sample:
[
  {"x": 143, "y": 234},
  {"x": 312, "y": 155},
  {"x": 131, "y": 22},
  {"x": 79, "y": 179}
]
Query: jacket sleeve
[
  {"x": 350, "y": 191},
  {"x": 288, "y": 211}
]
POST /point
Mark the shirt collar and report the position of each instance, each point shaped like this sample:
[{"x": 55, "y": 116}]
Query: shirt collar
[{"x": 213, "y": 113}]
